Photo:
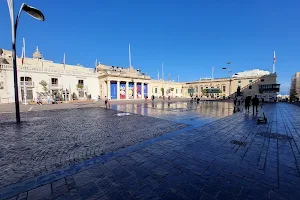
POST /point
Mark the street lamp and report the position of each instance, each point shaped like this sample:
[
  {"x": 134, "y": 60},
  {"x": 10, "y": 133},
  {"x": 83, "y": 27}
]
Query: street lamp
[
  {"x": 230, "y": 73},
  {"x": 35, "y": 13}
]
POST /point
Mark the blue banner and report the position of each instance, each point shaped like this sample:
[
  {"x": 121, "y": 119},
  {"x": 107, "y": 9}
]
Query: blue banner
[
  {"x": 145, "y": 90},
  {"x": 113, "y": 90}
]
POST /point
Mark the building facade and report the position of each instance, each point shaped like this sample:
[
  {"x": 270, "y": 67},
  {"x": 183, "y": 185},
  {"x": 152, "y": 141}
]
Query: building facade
[
  {"x": 295, "y": 87},
  {"x": 262, "y": 84},
  {"x": 39, "y": 78}
]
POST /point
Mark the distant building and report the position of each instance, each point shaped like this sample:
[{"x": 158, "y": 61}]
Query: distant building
[
  {"x": 251, "y": 83},
  {"x": 295, "y": 87},
  {"x": 40, "y": 77}
]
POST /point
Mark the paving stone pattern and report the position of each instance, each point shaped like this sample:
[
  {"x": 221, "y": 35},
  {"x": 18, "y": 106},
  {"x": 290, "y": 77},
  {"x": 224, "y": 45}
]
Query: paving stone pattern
[
  {"x": 202, "y": 163},
  {"x": 50, "y": 140}
]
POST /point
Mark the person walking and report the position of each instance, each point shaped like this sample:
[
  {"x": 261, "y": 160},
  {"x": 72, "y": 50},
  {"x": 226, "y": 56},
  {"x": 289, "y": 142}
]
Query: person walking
[
  {"x": 48, "y": 99},
  {"x": 105, "y": 101},
  {"x": 247, "y": 103},
  {"x": 255, "y": 103}
]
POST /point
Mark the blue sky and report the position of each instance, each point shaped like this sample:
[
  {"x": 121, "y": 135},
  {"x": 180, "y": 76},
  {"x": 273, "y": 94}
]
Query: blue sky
[{"x": 188, "y": 36}]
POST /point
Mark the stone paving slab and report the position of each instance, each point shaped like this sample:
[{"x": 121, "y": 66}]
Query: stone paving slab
[
  {"x": 199, "y": 163},
  {"x": 49, "y": 140}
]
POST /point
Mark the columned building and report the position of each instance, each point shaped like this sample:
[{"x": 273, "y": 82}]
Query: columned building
[{"x": 122, "y": 83}]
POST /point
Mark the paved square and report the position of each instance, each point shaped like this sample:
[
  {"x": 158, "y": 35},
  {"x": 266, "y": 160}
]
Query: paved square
[
  {"x": 230, "y": 158},
  {"x": 50, "y": 140}
]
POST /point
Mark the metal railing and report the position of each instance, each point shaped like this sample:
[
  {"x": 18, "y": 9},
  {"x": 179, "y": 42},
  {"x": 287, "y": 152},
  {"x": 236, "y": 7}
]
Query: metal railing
[{"x": 27, "y": 83}]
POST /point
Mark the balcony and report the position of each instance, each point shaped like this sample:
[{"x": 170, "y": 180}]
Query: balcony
[
  {"x": 55, "y": 86},
  {"x": 269, "y": 88},
  {"x": 29, "y": 84}
]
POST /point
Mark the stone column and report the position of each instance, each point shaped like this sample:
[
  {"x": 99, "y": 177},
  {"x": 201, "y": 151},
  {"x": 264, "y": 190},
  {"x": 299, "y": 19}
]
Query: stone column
[
  {"x": 142, "y": 92},
  {"x": 108, "y": 89},
  {"x": 135, "y": 90},
  {"x": 118, "y": 89},
  {"x": 127, "y": 86}
]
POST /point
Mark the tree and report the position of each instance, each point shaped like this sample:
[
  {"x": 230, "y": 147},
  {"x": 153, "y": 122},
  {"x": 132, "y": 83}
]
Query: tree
[
  {"x": 44, "y": 84},
  {"x": 74, "y": 96},
  {"x": 79, "y": 86},
  {"x": 162, "y": 91}
]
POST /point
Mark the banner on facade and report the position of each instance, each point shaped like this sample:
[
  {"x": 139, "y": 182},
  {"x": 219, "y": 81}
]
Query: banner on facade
[
  {"x": 139, "y": 90},
  {"x": 145, "y": 90},
  {"x": 122, "y": 90},
  {"x": 113, "y": 90},
  {"x": 130, "y": 90}
]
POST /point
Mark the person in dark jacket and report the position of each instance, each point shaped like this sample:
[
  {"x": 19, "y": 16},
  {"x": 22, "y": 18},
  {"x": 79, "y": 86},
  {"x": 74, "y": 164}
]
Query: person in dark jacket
[
  {"x": 247, "y": 103},
  {"x": 255, "y": 103}
]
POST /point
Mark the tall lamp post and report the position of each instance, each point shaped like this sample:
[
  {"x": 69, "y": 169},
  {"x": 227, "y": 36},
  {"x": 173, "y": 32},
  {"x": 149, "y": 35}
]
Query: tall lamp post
[
  {"x": 230, "y": 73},
  {"x": 35, "y": 13}
]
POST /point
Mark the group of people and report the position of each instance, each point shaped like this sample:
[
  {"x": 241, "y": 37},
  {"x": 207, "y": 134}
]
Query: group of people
[
  {"x": 49, "y": 100},
  {"x": 197, "y": 99},
  {"x": 248, "y": 102},
  {"x": 153, "y": 97}
]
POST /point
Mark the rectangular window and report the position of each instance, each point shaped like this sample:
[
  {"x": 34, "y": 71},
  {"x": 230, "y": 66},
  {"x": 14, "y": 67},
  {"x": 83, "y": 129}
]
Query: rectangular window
[
  {"x": 250, "y": 87},
  {"x": 239, "y": 81},
  {"x": 181, "y": 91},
  {"x": 54, "y": 81},
  {"x": 155, "y": 91},
  {"x": 224, "y": 88},
  {"x": 250, "y": 81},
  {"x": 80, "y": 82},
  {"x": 262, "y": 80},
  {"x": 176, "y": 91}
]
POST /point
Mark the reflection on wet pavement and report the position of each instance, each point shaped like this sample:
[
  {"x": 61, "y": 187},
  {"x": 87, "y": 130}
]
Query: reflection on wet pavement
[{"x": 183, "y": 112}]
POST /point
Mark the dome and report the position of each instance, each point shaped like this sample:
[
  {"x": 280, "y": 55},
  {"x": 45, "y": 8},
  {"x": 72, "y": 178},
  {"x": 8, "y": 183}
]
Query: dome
[{"x": 37, "y": 54}]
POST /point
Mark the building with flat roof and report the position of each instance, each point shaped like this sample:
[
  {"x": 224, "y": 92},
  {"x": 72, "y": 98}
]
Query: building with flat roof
[{"x": 39, "y": 78}]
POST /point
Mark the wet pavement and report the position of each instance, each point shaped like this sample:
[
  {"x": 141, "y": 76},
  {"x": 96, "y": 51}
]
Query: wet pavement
[
  {"x": 229, "y": 158},
  {"x": 196, "y": 114}
]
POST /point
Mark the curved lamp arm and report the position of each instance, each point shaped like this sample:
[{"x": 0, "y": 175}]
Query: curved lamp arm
[{"x": 33, "y": 12}]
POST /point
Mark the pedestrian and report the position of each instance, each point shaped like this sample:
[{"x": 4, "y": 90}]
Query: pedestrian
[
  {"x": 48, "y": 99},
  {"x": 152, "y": 97},
  {"x": 105, "y": 101},
  {"x": 169, "y": 98},
  {"x": 247, "y": 103},
  {"x": 255, "y": 103},
  {"x": 54, "y": 99}
]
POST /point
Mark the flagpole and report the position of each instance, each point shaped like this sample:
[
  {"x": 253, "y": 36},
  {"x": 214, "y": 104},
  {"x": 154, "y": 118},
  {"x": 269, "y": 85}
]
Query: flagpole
[
  {"x": 157, "y": 74},
  {"x": 274, "y": 60},
  {"x": 25, "y": 88},
  {"x": 129, "y": 55},
  {"x": 162, "y": 71}
]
